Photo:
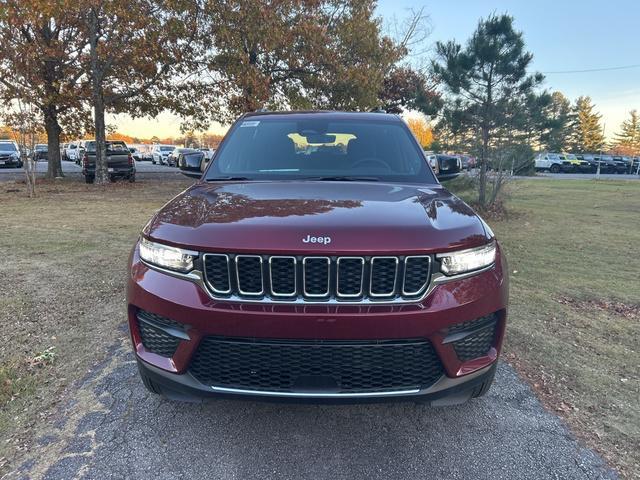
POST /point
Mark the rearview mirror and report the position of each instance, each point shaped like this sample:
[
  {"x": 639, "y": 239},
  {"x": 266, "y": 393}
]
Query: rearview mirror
[{"x": 320, "y": 139}]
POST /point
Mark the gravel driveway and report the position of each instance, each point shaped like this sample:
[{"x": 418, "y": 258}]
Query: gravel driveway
[{"x": 108, "y": 426}]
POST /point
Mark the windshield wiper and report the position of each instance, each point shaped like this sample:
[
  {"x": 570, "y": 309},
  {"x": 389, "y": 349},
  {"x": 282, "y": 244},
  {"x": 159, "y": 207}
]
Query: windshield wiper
[
  {"x": 339, "y": 178},
  {"x": 225, "y": 179}
]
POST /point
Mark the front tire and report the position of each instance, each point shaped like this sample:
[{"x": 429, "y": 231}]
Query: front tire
[
  {"x": 149, "y": 384},
  {"x": 482, "y": 389},
  {"x": 555, "y": 168}
]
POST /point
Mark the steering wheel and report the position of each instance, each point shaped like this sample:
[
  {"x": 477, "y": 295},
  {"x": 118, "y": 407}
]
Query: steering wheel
[{"x": 371, "y": 160}]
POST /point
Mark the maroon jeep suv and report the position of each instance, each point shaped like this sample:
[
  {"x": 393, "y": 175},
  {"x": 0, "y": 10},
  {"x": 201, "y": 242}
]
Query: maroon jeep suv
[{"x": 319, "y": 258}]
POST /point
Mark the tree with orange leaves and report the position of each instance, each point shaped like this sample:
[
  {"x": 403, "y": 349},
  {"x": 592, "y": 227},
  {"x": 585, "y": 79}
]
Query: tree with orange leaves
[
  {"x": 422, "y": 130},
  {"x": 40, "y": 43}
]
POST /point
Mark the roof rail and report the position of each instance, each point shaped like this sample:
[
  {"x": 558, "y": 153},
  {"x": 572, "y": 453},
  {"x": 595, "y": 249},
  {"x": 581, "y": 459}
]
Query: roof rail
[{"x": 261, "y": 110}]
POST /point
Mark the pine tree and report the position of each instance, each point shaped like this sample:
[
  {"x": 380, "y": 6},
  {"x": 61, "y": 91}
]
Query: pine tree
[
  {"x": 627, "y": 141},
  {"x": 487, "y": 80},
  {"x": 558, "y": 137},
  {"x": 587, "y": 133}
]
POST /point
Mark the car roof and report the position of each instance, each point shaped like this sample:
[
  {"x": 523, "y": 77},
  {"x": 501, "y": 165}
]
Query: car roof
[{"x": 325, "y": 114}]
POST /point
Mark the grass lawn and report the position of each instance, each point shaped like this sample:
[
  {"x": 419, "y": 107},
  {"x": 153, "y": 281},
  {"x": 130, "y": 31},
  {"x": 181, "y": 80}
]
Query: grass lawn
[{"x": 573, "y": 249}]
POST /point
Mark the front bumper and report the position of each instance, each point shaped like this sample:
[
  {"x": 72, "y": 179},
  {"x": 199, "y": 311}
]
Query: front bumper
[
  {"x": 9, "y": 163},
  {"x": 448, "y": 304}
]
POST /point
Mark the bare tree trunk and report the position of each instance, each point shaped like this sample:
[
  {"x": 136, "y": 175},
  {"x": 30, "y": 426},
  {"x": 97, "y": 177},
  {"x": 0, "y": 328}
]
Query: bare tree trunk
[
  {"x": 53, "y": 129},
  {"x": 30, "y": 175},
  {"x": 102, "y": 173}
]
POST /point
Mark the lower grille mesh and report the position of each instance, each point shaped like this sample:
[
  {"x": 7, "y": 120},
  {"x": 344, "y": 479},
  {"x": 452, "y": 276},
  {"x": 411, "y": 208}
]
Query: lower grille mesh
[
  {"x": 157, "y": 341},
  {"x": 328, "y": 366},
  {"x": 479, "y": 340}
]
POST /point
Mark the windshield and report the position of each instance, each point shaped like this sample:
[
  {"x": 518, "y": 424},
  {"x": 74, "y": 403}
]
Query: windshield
[
  {"x": 167, "y": 149},
  {"x": 282, "y": 148},
  {"x": 8, "y": 147},
  {"x": 41, "y": 147},
  {"x": 111, "y": 147}
]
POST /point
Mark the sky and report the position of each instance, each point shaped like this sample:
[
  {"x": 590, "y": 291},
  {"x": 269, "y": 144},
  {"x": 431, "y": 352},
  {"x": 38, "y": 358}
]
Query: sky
[{"x": 563, "y": 35}]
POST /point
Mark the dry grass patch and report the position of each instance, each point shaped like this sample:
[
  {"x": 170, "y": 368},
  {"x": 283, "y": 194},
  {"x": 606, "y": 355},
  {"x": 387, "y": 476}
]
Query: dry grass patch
[
  {"x": 574, "y": 254},
  {"x": 63, "y": 267}
]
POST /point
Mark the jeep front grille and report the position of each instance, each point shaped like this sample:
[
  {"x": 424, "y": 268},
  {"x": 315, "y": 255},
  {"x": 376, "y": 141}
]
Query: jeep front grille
[{"x": 316, "y": 278}]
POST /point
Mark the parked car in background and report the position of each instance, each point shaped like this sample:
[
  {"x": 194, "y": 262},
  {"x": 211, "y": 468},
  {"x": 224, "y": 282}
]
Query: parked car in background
[
  {"x": 594, "y": 162},
  {"x": 120, "y": 162},
  {"x": 554, "y": 162},
  {"x": 81, "y": 148},
  {"x": 10, "y": 154},
  {"x": 63, "y": 151},
  {"x": 172, "y": 158},
  {"x": 135, "y": 153},
  {"x": 159, "y": 153},
  {"x": 41, "y": 152},
  {"x": 432, "y": 160},
  {"x": 578, "y": 165},
  {"x": 207, "y": 160},
  {"x": 629, "y": 162},
  {"x": 468, "y": 162},
  {"x": 71, "y": 152},
  {"x": 208, "y": 152},
  {"x": 623, "y": 165},
  {"x": 607, "y": 164}
]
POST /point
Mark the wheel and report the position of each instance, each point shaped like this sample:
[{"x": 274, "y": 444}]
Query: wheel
[
  {"x": 132, "y": 178},
  {"x": 555, "y": 168},
  {"x": 153, "y": 161},
  {"x": 484, "y": 387},
  {"x": 89, "y": 179},
  {"x": 150, "y": 384}
]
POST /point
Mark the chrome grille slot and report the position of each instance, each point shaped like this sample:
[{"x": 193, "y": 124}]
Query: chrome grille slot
[
  {"x": 350, "y": 277},
  {"x": 383, "y": 278},
  {"x": 282, "y": 276},
  {"x": 216, "y": 273},
  {"x": 316, "y": 276},
  {"x": 249, "y": 274},
  {"x": 316, "y": 279},
  {"x": 417, "y": 271}
]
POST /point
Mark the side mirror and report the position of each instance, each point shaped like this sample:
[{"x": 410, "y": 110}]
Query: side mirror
[{"x": 191, "y": 164}]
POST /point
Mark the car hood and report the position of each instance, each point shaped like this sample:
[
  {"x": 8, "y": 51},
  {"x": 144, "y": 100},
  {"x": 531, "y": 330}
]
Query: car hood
[{"x": 276, "y": 217}]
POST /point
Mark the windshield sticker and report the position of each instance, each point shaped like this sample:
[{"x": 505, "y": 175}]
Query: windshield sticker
[{"x": 250, "y": 123}]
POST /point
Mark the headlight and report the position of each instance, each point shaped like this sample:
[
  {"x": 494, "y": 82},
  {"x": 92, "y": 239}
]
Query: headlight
[
  {"x": 167, "y": 257},
  {"x": 464, "y": 261}
]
